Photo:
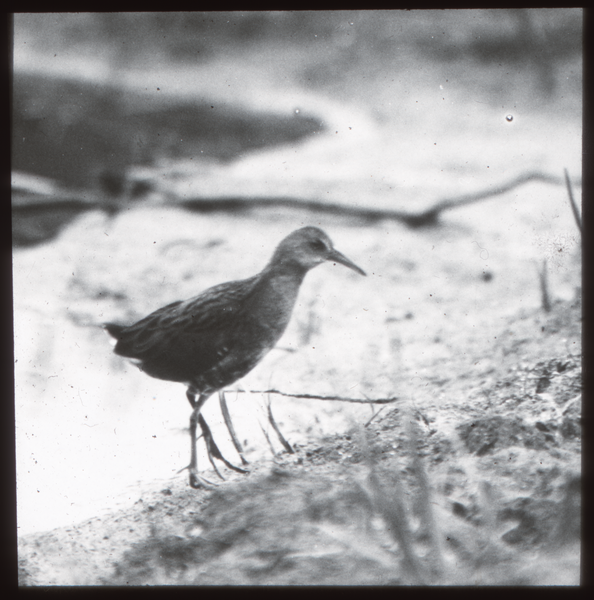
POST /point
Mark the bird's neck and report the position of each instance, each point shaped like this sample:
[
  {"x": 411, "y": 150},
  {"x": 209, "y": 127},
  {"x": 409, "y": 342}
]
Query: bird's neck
[
  {"x": 285, "y": 268},
  {"x": 283, "y": 279},
  {"x": 275, "y": 294}
]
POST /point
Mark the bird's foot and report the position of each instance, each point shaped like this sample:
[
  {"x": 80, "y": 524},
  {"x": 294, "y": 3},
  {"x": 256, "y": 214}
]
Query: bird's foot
[
  {"x": 197, "y": 481},
  {"x": 213, "y": 449},
  {"x": 214, "y": 452},
  {"x": 214, "y": 464}
]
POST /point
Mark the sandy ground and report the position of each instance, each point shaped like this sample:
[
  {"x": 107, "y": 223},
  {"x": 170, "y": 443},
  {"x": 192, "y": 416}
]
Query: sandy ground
[{"x": 483, "y": 423}]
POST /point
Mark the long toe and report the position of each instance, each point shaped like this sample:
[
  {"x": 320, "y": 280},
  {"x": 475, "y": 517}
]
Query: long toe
[
  {"x": 198, "y": 482},
  {"x": 214, "y": 464},
  {"x": 213, "y": 452},
  {"x": 229, "y": 465}
]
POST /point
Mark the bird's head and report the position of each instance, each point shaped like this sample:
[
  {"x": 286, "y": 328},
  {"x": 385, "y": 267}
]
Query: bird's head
[{"x": 308, "y": 247}]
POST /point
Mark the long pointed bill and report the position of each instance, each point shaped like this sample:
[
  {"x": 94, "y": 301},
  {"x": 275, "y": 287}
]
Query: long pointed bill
[{"x": 336, "y": 256}]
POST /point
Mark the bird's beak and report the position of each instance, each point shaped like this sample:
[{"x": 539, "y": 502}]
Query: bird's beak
[{"x": 336, "y": 256}]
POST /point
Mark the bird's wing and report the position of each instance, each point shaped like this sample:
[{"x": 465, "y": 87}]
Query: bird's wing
[
  {"x": 130, "y": 339},
  {"x": 186, "y": 326},
  {"x": 216, "y": 307}
]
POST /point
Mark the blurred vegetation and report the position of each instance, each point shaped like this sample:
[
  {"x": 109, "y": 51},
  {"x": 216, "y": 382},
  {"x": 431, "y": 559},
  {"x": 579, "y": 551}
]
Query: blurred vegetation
[
  {"x": 394, "y": 526},
  {"x": 508, "y": 35},
  {"x": 87, "y": 135},
  {"x": 84, "y": 134}
]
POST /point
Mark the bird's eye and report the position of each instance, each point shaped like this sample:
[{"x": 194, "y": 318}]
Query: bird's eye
[{"x": 317, "y": 245}]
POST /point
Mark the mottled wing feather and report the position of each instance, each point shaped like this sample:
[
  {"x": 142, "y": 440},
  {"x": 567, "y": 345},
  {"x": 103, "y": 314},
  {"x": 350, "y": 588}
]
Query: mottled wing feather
[
  {"x": 186, "y": 338},
  {"x": 135, "y": 339},
  {"x": 213, "y": 308}
]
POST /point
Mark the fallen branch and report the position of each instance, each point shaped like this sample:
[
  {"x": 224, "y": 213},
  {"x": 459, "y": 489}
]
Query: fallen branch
[
  {"x": 495, "y": 191},
  {"x": 33, "y": 211},
  {"x": 421, "y": 219}
]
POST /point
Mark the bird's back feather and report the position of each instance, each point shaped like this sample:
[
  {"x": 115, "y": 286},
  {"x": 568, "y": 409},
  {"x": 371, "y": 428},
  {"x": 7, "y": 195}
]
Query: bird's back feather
[{"x": 185, "y": 338}]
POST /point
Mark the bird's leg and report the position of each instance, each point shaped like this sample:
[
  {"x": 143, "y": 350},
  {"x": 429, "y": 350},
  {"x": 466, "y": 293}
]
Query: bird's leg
[
  {"x": 229, "y": 423},
  {"x": 210, "y": 443},
  {"x": 213, "y": 449},
  {"x": 195, "y": 480}
]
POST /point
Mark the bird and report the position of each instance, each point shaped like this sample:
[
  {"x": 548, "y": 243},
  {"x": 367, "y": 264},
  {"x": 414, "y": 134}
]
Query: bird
[{"x": 211, "y": 340}]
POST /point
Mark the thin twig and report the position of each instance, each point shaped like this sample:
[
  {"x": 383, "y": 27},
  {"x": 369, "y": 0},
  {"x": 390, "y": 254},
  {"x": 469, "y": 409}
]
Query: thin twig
[
  {"x": 267, "y": 439},
  {"x": 374, "y": 415},
  {"x": 281, "y": 438},
  {"x": 574, "y": 208},
  {"x": 327, "y": 398},
  {"x": 229, "y": 423},
  {"x": 544, "y": 287}
]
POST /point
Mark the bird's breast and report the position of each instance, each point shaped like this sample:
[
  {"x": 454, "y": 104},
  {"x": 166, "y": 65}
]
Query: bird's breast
[{"x": 254, "y": 327}]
